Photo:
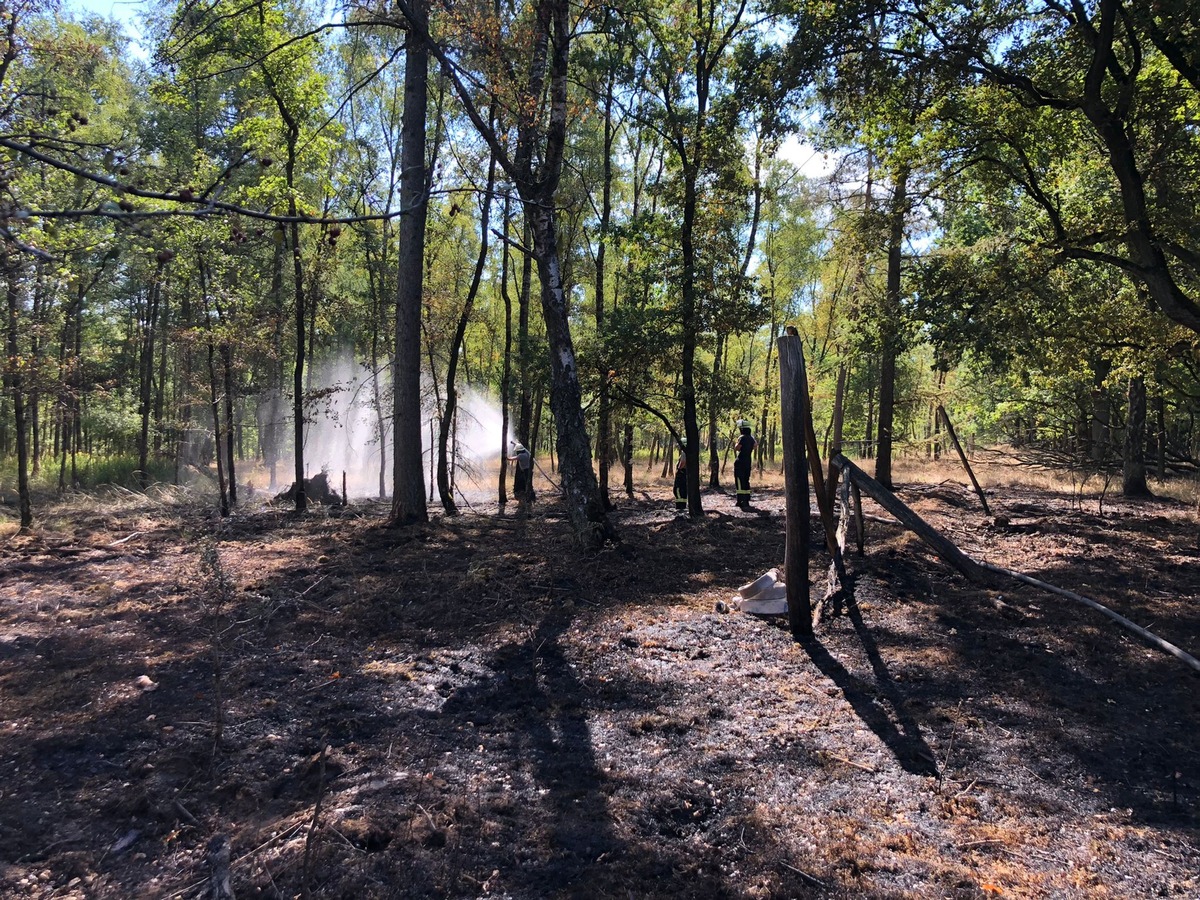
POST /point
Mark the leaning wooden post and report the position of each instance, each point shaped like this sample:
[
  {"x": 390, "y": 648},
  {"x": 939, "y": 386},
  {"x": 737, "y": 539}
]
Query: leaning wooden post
[
  {"x": 835, "y": 446},
  {"x": 889, "y": 501},
  {"x": 963, "y": 459},
  {"x": 860, "y": 522},
  {"x": 793, "y": 392},
  {"x": 824, "y": 506}
]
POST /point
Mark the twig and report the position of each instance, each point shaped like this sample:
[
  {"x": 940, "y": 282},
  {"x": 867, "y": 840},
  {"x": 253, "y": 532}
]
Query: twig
[
  {"x": 187, "y": 816},
  {"x": 127, "y": 538},
  {"x": 850, "y": 762},
  {"x": 953, "y": 736},
  {"x": 313, "y": 585},
  {"x": 192, "y": 888},
  {"x": 965, "y": 790},
  {"x": 305, "y": 889},
  {"x": 349, "y": 843},
  {"x": 813, "y": 881}
]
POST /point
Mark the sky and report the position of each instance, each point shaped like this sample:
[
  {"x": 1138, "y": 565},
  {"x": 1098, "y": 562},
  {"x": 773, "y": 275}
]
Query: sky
[{"x": 129, "y": 13}]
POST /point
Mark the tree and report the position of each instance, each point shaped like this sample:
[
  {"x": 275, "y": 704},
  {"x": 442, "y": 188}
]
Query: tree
[
  {"x": 687, "y": 52},
  {"x": 408, "y": 480},
  {"x": 1121, "y": 73},
  {"x": 530, "y": 111}
]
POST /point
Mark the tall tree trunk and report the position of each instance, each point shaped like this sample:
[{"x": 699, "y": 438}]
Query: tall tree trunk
[
  {"x": 1133, "y": 482},
  {"x": 890, "y": 326},
  {"x": 377, "y": 396},
  {"x": 1101, "y": 418},
  {"x": 838, "y": 422},
  {"x": 584, "y": 509},
  {"x": 689, "y": 315},
  {"x": 301, "y": 318},
  {"x": 408, "y": 488},
  {"x": 227, "y": 365},
  {"x": 69, "y": 369},
  {"x": 450, "y": 410},
  {"x": 273, "y": 431},
  {"x": 535, "y": 165},
  {"x": 149, "y": 319},
  {"x": 506, "y": 377},
  {"x": 298, "y": 369},
  {"x": 214, "y": 403},
  {"x": 627, "y": 458},
  {"x": 160, "y": 393},
  {"x": 183, "y": 432},
  {"x": 77, "y": 399},
  {"x": 1160, "y": 433},
  {"x": 524, "y": 362},
  {"x": 603, "y": 425},
  {"x": 869, "y": 434},
  {"x": 768, "y": 392},
  {"x": 714, "y": 401},
  {"x": 34, "y": 352},
  {"x": 15, "y": 384}
]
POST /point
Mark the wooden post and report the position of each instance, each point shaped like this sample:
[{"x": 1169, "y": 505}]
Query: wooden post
[
  {"x": 793, "y": 394},
  {"x": 824, "y": 501},
  {"x": 837, "y": 579},
  {"x": 839, "y": 418},
  {"x": 860, "y": 522},
  {"x": 963, "y": 459}
]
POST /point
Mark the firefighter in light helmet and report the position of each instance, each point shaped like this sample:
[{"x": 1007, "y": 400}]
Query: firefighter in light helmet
[{"x": 523, "y": 476}]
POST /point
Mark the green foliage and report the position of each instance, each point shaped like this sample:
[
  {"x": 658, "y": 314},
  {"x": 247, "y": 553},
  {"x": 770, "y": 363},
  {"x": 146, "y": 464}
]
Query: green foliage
[{"x": 1021, "y": 297}]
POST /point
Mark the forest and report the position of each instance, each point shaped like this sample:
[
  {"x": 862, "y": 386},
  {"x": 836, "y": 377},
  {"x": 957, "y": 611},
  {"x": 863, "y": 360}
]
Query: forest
[{"x": 286, "y": 284}]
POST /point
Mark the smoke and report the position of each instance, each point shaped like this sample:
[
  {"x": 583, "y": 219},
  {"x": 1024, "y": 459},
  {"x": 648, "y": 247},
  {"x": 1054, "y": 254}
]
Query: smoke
[
  {"x": 479, "y": 427},
  {"x": 342, "y": 433}
]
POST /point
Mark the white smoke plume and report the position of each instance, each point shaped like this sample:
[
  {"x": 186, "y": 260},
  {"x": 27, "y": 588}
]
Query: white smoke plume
[{"x": 342, "y": 432}]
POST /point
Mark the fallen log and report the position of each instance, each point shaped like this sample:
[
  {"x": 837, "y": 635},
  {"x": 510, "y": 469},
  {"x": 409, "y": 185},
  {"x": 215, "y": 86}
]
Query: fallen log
[
  {"x": 1148, "y": 636},
  {"x": 977, "y": 571},
  {"x": 221, "y": 878},
  {"x": 316, "y": 490}
]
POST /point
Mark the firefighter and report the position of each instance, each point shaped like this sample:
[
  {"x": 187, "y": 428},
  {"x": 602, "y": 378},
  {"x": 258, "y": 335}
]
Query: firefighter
[
  {"x": 523, "y": 476},
  {"x": 681, "y": 479},
  {"x": 741, "y": 466}
]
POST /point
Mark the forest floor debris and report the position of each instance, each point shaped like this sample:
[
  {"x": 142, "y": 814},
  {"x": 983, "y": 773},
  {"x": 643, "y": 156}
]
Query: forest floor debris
[{"x": 485, "y": 712}]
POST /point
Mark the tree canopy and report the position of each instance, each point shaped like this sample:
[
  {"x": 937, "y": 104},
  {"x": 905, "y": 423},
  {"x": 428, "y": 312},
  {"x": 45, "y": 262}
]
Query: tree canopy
[{"x": 280, "y": 223}]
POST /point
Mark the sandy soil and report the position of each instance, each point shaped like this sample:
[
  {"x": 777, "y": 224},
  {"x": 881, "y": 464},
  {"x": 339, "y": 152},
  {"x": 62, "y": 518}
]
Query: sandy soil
[{"x": 473, "y": 708}]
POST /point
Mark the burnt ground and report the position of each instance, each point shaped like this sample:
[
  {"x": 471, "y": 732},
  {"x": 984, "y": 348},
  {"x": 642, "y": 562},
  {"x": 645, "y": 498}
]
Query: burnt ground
[{"x": 472, "y": 708}]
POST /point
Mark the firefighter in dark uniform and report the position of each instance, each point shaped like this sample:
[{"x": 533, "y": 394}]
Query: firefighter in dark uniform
[
  {"x": 741, "y": 466},
  {"x": 681, "y": 479}
]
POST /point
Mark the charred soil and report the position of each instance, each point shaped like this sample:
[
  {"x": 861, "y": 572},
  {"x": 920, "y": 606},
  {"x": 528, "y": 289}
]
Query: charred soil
[{"x": 473, "y": 708}]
